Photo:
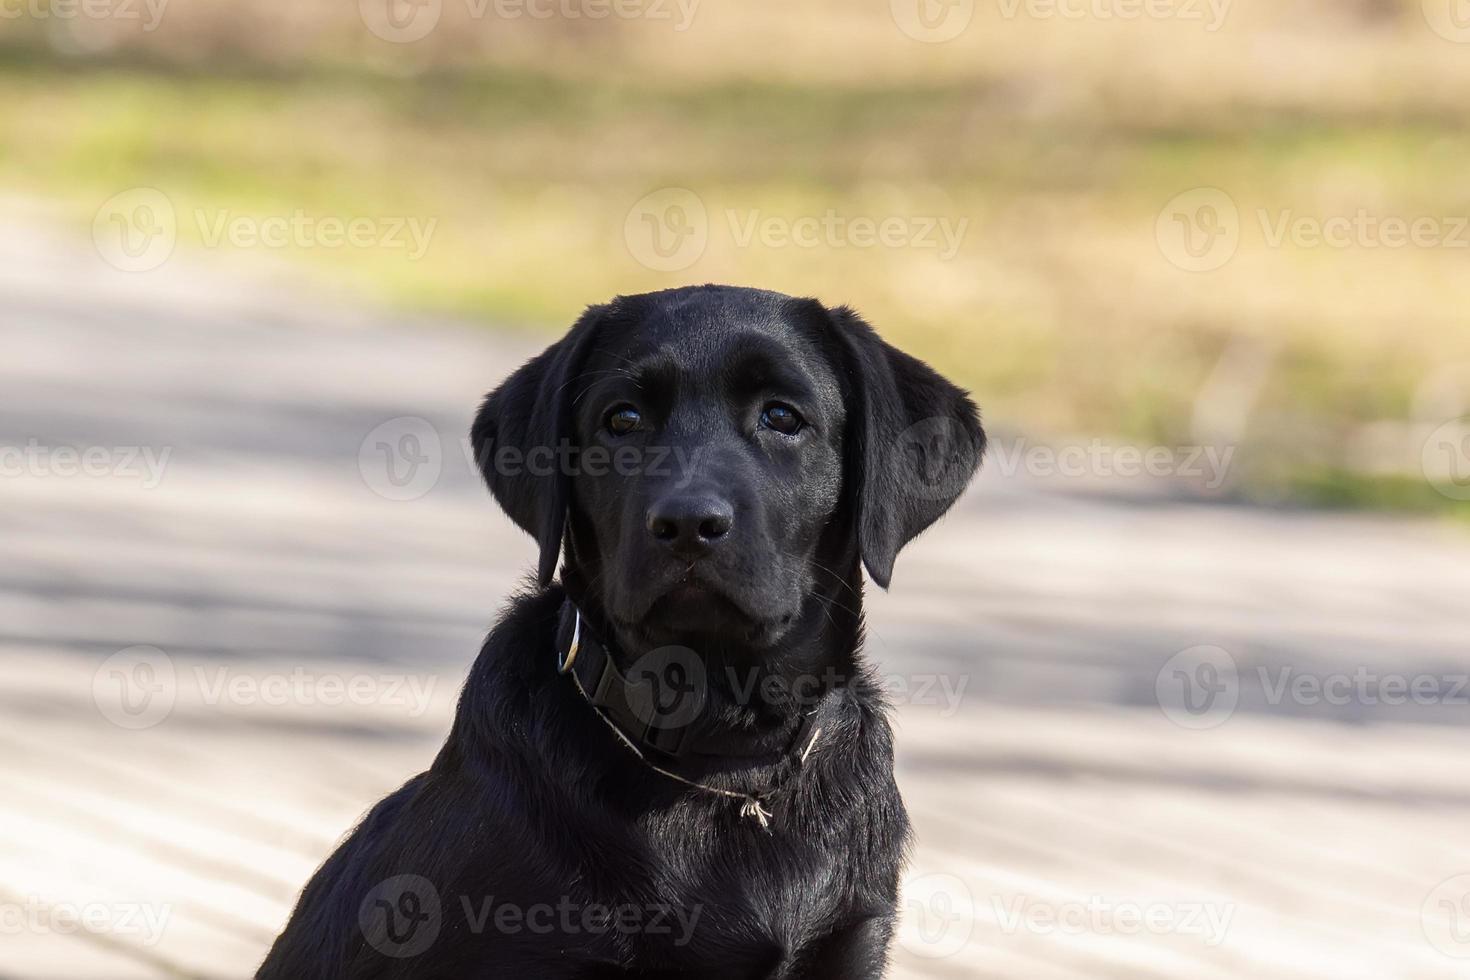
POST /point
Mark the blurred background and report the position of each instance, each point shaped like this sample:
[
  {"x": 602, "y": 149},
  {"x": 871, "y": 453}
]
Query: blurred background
[{"x": 1181, "y": 684}]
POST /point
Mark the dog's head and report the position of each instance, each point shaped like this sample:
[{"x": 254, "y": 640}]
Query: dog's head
[{"x": 712, "y": 457}]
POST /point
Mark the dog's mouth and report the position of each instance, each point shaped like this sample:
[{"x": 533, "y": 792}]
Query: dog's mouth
[
  {"x": 691, "y": 601},
  {"x": 693, "y": 605}
]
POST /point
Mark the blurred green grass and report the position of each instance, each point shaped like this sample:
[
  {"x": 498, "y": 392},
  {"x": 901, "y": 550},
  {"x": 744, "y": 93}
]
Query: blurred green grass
[{"x": 1058, "y": 308}]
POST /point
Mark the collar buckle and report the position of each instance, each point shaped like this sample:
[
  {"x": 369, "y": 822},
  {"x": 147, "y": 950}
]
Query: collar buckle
[{"x": 565, "y": 660}]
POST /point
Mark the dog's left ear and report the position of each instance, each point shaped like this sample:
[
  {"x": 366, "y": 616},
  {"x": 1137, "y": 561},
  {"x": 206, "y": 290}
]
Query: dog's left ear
[
  {"x": 914, "y": 441},
  {"x": 520, "y": 434}
]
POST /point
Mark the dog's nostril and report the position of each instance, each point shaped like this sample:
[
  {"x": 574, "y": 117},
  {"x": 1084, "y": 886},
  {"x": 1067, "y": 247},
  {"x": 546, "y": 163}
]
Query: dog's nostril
[
  {"x": 663, "y": 529},
  {"x": 715, "y": 526}
]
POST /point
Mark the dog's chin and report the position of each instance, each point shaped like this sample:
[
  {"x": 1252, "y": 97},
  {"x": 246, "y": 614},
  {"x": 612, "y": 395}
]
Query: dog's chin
[{"x": 693, "y": 614}]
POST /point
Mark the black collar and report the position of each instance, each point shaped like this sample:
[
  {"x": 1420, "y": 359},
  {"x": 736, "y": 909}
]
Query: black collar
[{"x": 660, "y": 710}]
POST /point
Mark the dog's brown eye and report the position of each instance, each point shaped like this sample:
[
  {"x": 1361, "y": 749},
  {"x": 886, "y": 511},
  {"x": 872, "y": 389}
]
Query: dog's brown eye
[
  {"x": 623, "y": 419},
  {"x": 782, "y": 418}
]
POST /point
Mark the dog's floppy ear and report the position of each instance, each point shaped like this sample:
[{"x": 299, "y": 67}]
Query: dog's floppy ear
[
  {"x": 914, "y": 441},
  {"x": 521, "y": 435}
]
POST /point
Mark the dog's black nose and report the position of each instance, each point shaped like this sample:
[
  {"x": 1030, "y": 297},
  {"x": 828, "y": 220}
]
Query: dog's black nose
[{"x": 690, "y": 523}]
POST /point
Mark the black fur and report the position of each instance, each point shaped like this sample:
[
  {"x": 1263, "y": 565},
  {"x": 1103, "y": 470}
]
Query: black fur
[{"x": 539, "y": 846}]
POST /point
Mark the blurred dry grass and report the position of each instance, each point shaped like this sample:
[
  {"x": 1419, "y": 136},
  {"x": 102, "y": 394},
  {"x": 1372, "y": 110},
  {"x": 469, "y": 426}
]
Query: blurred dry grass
[{"x": 1056, "y": 140}]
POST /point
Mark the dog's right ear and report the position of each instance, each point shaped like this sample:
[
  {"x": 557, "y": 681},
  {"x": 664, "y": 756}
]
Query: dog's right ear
[{"x": 521, "y": 436}]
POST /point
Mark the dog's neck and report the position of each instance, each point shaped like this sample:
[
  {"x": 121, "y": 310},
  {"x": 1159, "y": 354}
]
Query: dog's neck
[
  {"x": 821, "y": 640},
  {"x": 753, "y": 701}
]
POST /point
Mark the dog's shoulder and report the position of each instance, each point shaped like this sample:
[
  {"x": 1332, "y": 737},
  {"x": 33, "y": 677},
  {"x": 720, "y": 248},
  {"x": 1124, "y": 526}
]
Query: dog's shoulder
[{"x": 514, "y": 662}]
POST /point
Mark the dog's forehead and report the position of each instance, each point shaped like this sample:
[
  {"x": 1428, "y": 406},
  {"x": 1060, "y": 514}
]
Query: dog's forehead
[{"x": 705, "y": 334}]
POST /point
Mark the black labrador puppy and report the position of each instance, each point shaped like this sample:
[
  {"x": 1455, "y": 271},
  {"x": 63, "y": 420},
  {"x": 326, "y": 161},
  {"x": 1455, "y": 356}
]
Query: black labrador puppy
[{"x": 675, "y": 762}]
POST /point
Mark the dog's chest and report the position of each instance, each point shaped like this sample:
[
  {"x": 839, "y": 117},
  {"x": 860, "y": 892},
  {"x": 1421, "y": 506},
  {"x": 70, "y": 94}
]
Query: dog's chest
[{"x": 769, "y": 894}]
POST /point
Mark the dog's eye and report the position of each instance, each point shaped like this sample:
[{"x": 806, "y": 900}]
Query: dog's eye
[
  {"x": 623, "y": 419},
  {"x": 782, "y": 418}
]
